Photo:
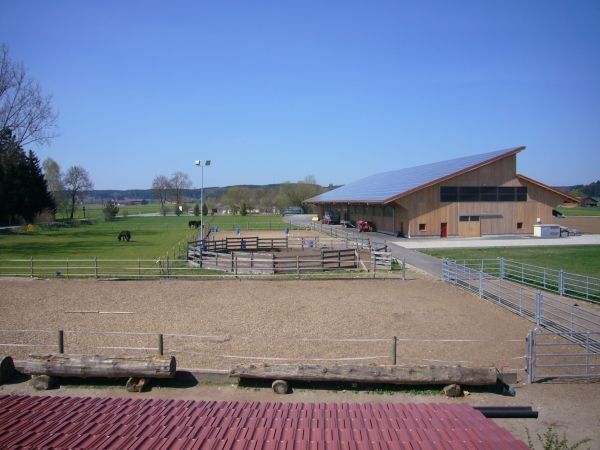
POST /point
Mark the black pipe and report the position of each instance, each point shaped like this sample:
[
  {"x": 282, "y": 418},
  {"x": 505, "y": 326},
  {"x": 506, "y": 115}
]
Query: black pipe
[{"x": 507, "y": 412}]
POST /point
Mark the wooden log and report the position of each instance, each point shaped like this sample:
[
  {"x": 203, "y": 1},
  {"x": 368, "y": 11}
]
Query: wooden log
[
  {"x": 43, "y": 382},
  {"x": 87, "y": 366},
  {"x": 280, "y": 387},
  {"x": 7, "y": 368},
  {"x": 443, "y": 375},
  {"x": 136, "y": 384}
]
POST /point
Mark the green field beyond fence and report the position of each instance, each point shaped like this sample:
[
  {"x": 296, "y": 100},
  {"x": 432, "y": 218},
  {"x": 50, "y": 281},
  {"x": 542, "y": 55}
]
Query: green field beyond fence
[
  {"x": 581, "y": 259},
  {"x": 152, "y": 237}
]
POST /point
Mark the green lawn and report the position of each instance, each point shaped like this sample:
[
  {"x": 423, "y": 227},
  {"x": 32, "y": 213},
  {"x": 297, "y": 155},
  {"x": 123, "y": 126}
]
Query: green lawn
[
  {"x": 580, "y": 211},
  {"x": 152, "y": 238},
  {"x": 581, "y": 259}
]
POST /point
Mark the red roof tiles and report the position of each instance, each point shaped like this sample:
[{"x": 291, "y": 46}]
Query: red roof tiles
[{"x": 70, "y": 422}]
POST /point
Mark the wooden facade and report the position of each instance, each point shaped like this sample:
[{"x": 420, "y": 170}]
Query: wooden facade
[{"x": 421, "y": 213}]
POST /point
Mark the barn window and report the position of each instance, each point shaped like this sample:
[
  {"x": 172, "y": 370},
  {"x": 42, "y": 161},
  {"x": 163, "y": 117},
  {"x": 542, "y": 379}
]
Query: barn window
[
  {"x": 449, "y": 194},
  {"x": 388, "y": 211},
  {"x": 483, "y": 194},
  {"x": 519, "y": 225},
  {"x": 422, "y": 227}
]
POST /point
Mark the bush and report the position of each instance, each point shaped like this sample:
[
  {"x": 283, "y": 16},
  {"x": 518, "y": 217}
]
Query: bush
[
  {"x": 551, "y": 441},
  {"x": 243, "y": 209},
  {"x": 110, "y": 210},
  {"x": 196, "y": 209}
]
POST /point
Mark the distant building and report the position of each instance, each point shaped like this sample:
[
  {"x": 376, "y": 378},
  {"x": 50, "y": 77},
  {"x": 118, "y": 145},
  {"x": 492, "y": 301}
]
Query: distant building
[
  {"x": 128, "y": 202},
  {"x": 470, "y": 196},
  {"x": 588, "y": 201}
]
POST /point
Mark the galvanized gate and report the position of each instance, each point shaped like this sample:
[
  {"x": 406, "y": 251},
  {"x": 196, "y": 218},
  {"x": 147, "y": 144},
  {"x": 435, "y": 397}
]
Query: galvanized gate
[{"x": 562, "y": 356}]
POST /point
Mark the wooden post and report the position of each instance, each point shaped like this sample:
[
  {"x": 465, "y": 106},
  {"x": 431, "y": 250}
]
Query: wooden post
[
  {"x": 167, "y": 264},
  {"x": 298, "y": 266},
  {"x": 404, "y": 269},
  {"x": 61, "y": 341},
  {"x": 235, "y": 261},
  {"x": 394, "y": 346},
  {"x": 139, "y": 268},
  {"x": 67, "y": 267},
  {"x": 96, "y": 266},
  {"x": 31, "y": 265},
  {"x": 373, "y": 263},
  {"x": 161, "y": 348}
]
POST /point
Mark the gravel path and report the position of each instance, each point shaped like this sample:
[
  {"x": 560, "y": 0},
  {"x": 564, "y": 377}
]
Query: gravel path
[{"x": 250, "y": 320}]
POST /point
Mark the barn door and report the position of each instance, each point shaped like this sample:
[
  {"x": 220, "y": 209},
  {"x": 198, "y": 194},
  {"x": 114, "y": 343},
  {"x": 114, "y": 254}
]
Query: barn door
[{"x": 469, "y": 226}]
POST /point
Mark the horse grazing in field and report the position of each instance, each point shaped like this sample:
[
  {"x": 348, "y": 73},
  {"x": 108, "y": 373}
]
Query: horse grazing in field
[
  {"x": 124, "y": 235},
  {"x": 194, "y": 223}
]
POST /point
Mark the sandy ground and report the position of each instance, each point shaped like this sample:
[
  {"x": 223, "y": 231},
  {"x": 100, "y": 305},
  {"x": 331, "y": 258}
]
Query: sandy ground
[
  {"x": 572, "y": 409},
  {"x": 293, "y": 234},
  {"x": 590, "y": 224},
  {"x": 229, "y": 322},
  {"x": 244, "y": 321}
]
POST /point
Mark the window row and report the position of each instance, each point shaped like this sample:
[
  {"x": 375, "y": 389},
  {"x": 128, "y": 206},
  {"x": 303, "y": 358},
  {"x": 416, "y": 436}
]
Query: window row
[{"x": 483, "y": 194}]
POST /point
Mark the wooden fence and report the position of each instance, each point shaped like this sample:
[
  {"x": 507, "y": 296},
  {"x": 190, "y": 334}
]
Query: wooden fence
[{"x": 274, "y": 263}]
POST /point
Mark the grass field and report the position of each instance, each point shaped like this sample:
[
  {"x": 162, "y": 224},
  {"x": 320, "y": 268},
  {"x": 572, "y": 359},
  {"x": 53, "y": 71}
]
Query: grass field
[
  {"x": 581, "y": 259},
  {"x": 580, "y": 211},
  {"x": 152, "y": 237}
]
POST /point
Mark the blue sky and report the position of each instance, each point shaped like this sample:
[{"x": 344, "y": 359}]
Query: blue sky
[{"x": 273, "y": 91}]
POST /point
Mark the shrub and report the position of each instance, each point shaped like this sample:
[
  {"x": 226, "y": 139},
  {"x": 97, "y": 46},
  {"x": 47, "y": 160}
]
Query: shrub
[
  {"x": 110, "y": 210},
  {"x": 196, "y": 209},
  {"x": 551, "y": 441}
]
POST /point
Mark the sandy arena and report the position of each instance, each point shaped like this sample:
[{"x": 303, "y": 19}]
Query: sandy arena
[{"x": 277, "y": 321}]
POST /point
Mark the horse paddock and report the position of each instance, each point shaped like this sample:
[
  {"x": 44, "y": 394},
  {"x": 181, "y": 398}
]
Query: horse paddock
[{"x": 216, "y": 324}]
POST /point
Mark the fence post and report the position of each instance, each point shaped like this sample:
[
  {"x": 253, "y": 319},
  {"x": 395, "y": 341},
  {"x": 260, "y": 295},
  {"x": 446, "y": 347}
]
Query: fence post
[
  {"x": 481, "y": 283},
  {"x": 31, "y": 265},
  {"x": 235, "y": 264},
  {"x": 502, "y": 268},
  {"x": 96, "y": 266},
  {"x": 61, "y": 341},
  {"x": 167, "y": 264},
  {"x": 538, "y": 308},
  {"x": 404, "y": 268},
  {"x": 298, "y": 266},
  {"x": 561, "y": 282},
  {"x": 161, "y": 348},
  {"x": 530, "y": 356},
  {"x": 394, "y": 346},
  {"x": 373, "y": 263}
]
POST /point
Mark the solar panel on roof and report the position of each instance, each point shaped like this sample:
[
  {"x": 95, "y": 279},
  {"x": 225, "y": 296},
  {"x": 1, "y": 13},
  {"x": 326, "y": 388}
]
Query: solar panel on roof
[{"x": 383, "y": 186}]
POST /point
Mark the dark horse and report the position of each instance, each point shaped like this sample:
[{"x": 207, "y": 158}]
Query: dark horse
[
  {"x": 124, "y": 235},
  {"x": 194, "y": 223}
]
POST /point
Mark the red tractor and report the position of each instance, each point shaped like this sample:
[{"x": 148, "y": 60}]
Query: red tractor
[{"x": 364, "y": 226}]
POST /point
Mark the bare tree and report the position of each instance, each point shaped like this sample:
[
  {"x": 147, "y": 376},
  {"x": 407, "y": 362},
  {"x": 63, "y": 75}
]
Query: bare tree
[
  {"x": 76, "y": 181},
  {"x": 179, "y": 182},
  {"x": 162, "y": 188},
  {"x": 24, "y": 109}
]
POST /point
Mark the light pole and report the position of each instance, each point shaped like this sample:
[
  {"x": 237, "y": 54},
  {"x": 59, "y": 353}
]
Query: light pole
[{"x": 198, "y": 162}]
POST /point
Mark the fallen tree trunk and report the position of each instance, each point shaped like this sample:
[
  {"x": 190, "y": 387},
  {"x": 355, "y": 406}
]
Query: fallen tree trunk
[
  {"x": 443, "y": 375},
  {"x": 88, "y": 366}
]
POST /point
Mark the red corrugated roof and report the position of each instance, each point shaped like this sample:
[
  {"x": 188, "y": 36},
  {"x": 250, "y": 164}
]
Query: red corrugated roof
[{"x": 71, "y": 422}]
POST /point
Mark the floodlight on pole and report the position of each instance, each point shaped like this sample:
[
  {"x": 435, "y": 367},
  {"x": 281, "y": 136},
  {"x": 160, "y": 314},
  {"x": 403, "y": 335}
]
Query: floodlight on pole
[{"x": 198, "y": 162}]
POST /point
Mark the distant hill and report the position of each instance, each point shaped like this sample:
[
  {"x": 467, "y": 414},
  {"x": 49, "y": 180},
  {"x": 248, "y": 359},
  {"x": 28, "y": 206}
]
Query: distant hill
[{"x": 590, "y": 190}]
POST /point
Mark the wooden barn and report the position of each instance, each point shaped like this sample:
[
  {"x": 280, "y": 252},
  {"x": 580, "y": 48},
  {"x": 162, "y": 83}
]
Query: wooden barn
[{"x": 470, "y": 196}]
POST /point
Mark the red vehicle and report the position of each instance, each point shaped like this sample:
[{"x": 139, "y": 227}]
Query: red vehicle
[{"x": 364, "y": 226}]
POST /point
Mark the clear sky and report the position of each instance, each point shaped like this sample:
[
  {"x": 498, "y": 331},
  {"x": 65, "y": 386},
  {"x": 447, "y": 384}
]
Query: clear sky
[{"x": 273, "y": 91}]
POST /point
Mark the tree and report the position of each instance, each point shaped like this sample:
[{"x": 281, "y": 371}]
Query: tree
[
  {"x": 54, "y": 178},
  {"x": 24, "y": 109},
  {"x": 204, "y": 209},
  {"x": 77, "y": 180},
  {"x": 293, "y": 194},
  {"x": 179, "y": 182},
  {"x": 243, "y": 208},
  {"x": 23, "y": 189},
  {"x": 161, "y": 186},
  {"x": 197, "y": 209},
  {"x": 110, "y": 210}
]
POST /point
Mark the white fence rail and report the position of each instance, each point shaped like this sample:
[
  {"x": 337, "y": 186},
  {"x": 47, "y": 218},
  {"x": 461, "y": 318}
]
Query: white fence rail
[{"x": 552, "y": 280}]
